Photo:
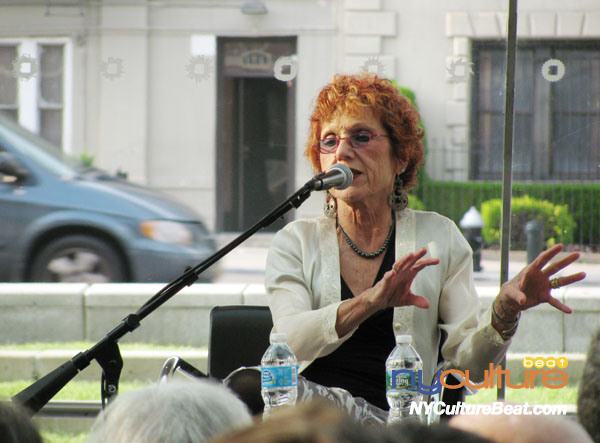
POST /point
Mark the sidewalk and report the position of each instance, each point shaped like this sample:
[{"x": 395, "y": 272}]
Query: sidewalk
[
  {"x": 490, "y": 263},
  {"x": 246, "y": 264}
]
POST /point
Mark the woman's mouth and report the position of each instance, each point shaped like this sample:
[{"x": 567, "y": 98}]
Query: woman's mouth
[{"x": 355, "y": 172}]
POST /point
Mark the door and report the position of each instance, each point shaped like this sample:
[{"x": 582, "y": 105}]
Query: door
[
  {"x": 262, "y": 173},
  {"x": 256, "y": 132}
]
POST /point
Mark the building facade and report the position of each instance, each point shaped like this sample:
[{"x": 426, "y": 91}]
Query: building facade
[{"x": 209, "y": 100}]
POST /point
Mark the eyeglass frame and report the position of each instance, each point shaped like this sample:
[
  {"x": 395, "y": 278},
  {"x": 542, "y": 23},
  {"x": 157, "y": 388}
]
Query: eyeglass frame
[{"x": 338, "y": 140}]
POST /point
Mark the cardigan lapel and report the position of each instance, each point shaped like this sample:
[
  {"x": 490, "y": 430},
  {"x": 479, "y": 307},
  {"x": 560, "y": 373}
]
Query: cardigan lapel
[
  {"x": 405, "y": 243},
  {"x": 329, "y": 251},
  {"x": 330, "y": 259}
]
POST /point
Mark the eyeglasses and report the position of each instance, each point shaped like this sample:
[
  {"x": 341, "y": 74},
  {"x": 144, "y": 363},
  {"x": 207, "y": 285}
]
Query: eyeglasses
[{"x": 357, "y": 141}]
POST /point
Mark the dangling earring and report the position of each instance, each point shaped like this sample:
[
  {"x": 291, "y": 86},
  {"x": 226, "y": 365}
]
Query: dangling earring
[
  {"x": 330, "y": 207},
  {"x": 398, "y": 199}
]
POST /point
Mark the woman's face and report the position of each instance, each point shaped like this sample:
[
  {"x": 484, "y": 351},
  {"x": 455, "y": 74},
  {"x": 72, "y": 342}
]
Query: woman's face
[{"x": 373, "y": 167}]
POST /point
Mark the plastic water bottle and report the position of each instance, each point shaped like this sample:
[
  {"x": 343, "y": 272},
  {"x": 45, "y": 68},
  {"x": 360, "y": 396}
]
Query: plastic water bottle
[
  {"x": 279, "y": 374},
  {"x": 403, "y": 356}
]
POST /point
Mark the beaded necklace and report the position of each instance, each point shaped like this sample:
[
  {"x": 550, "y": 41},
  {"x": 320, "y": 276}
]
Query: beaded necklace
[{"x": 368, "y": 254}]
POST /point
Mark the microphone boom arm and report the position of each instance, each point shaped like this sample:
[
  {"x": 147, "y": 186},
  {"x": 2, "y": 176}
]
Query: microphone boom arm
[{"x": 39, "y": 393}]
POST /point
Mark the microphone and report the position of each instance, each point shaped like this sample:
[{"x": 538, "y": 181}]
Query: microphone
[{"x": 338, "y": 176}]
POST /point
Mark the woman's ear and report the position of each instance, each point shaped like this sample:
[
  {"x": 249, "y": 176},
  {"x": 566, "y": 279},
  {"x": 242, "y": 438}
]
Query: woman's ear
[{"x": 400, "y": 166}]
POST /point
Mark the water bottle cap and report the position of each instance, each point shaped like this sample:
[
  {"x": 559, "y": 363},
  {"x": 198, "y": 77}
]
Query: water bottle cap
[
  {"x": 403, "y": 339},
  {"x": 277, "y": 337}
]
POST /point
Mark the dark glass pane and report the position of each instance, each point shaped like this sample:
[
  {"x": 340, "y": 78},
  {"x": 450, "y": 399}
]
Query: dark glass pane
[
  {"x": 10, "y": 113},
  {"x": 556, "y": 128},
  {"x": 576, "y": 116},
  {"x": 522, "y": 147},
  {"x": 491, "y": 84},
  {"x": 575, "y": 151},
  {"x": 8, "y": 83},
  {"x": 579, "y": 89},
  {"x": 524, "y": 81},
  {"x": 51, "y": 125},
  {"x": 491, "y": 142},
  {"x": 51, "y": 67}
]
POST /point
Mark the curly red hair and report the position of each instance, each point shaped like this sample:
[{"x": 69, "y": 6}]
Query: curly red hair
[{"x": 352, "y": 94}]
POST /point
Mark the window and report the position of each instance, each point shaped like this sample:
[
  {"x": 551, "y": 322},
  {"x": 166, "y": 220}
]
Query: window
[
  {"x": 8, "y": 82},
  {"x": 557, "y": 111},
  {"x": 32, "y": 85},
  {"x": 50, "y": 99}
]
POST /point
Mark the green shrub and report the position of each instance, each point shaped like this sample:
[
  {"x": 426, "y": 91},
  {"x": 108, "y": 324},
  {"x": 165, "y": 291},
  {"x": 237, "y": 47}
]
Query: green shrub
[
  {"x": 86, "y": 159},
  {"x": 453, "y": 199},
  {"x": 559, "y": 226},
  {"x": 415, "y": 203}
]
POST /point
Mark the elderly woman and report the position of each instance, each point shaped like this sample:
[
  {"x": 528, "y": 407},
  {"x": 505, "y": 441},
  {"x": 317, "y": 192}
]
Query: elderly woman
[{"x": 343, "y": 285}]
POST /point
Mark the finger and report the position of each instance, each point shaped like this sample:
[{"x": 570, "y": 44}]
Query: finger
[
  {"x": 559, "y": 305},
  {"x": 402, "y": 262},
  {"x": 416, "y": 256},
  {"x": 389, "y": 274},
  {"x": 420, "y": 302},
  {"x": 556, "y": 266},
  {"x": 410, "y": 259},
  {"x": 570, "y": 279},
  {"x": 514, "y": 298},
  {"x": 423, "y": 263},
  {"x": 547, "y": 255}
]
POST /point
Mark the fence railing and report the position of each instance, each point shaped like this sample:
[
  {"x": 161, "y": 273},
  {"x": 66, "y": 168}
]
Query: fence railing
[{"x": 453, "y": 199}]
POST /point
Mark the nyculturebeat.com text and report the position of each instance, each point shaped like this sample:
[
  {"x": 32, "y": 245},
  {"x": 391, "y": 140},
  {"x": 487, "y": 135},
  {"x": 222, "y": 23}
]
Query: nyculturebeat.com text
[{"x": 495, "y": 408}]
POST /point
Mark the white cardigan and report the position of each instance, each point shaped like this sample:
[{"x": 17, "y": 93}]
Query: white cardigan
[{"x": 304, "y": 289}]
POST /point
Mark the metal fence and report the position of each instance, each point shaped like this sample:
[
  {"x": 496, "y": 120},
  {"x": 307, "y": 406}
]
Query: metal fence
[{"x": 579, "y": 200}]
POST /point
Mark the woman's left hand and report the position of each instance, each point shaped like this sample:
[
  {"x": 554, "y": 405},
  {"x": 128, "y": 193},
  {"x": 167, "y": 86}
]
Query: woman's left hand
[{"x": 533, "y": 284}]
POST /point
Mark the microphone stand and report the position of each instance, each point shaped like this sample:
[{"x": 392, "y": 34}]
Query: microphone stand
[{"x": 106, "y": 351}]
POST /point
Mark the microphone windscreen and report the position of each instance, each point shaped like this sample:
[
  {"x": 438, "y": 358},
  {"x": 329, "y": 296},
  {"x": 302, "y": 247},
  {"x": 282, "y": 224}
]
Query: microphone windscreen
[{"x": 347, "y": 175}]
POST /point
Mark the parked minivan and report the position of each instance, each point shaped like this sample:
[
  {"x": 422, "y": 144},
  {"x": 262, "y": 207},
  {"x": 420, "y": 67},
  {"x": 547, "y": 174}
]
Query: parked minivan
[{"x": 62, "y": 221}]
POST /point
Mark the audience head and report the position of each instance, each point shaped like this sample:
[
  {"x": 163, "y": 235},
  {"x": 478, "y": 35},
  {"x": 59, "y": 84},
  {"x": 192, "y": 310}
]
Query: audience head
[
  {"x": 170, "y": 412},
  {"x": 246, "y": 384},
  {"x": 315, "y": 421},
  {"x": 588, "y": 400},
  {"x": 407, "y": 432},
  {"x": 517, "y": 428},
  {"x": 16, "y": 425}
]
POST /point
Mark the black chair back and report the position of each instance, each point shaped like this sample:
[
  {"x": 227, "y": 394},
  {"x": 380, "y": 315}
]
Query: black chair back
[{"x": 239, "y": 336}]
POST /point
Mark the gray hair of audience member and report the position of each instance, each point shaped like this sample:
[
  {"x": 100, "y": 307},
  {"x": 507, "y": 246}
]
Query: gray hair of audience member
[
  {"x": 172, "y": 412},
  {"x": 588, "y": 398},
  {"x": 315, "y": 421},
  {"x": 514, "y": 428},
  {"x": 16, "y": 425}
]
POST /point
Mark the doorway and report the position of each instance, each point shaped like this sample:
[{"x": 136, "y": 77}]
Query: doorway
[{"x": 256, "y": 132}]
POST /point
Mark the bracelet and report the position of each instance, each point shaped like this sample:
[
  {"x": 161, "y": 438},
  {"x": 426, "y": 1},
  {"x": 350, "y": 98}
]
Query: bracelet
[{"x": 511, "y": 326}]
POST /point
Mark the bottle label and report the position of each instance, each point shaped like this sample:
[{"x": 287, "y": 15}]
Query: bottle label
[
  {"x": 403, "y": 380},
  {"x": 279, "y": 376}
]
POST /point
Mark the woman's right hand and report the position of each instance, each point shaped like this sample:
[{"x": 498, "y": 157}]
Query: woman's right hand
[{"x": 393, "y": 290}]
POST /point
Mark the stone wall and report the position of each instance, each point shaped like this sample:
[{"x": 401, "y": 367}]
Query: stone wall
[{"x": 71, "y": 312}]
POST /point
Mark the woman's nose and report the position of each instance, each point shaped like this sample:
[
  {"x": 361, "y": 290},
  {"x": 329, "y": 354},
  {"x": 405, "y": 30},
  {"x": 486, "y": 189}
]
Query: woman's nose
[{"x": 344, "y": 149}]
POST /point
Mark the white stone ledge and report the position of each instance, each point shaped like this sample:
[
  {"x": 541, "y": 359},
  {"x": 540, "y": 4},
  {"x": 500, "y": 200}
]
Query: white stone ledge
[
  {"x": 534, "y": 24},
  {"x": 30, "y": 313},
  {"x": 370, "y": 23},
  {"x": 137, "y": 364},
  {"x": 362, "y": 5}
]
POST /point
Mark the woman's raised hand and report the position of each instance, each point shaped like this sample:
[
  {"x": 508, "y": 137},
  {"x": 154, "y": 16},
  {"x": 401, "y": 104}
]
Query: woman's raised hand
[
  {"x": 393, "y": 289},
  {"x": 533, "y": 284}
]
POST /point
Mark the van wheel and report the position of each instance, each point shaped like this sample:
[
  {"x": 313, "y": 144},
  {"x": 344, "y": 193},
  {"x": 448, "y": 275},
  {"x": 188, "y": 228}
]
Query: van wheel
[{"x": 78, "y": 258}]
